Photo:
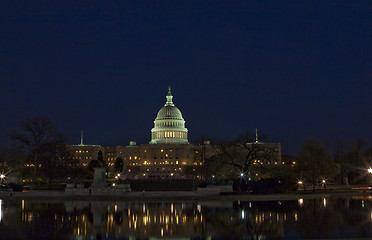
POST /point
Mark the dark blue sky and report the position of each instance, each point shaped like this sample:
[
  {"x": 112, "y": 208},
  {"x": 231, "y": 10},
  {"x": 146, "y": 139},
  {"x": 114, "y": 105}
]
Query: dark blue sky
[{"x": 293, "y": 69}]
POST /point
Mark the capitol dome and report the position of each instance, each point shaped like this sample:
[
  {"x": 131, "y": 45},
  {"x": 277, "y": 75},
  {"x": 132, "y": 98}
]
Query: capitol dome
[{"x": 169, "y": 125}]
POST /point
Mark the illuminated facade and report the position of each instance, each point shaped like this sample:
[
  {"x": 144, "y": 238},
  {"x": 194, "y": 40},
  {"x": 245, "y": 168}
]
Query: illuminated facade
[
  {"x": 169, "y": 153},
  {"x": 169, "y": 126},
  {"x": 85, "y": 153}
]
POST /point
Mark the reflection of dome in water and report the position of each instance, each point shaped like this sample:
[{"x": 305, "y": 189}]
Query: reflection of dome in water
[{"x": 169, "y": 126}]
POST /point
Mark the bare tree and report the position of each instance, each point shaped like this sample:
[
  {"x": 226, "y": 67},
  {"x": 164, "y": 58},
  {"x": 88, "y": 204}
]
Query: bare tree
[
  {"x": 36, "y": 137},
  {"x": 239, "y": 156}
]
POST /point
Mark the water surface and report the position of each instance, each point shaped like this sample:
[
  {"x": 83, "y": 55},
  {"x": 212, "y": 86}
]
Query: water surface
[{"x": 77, "y": 219}]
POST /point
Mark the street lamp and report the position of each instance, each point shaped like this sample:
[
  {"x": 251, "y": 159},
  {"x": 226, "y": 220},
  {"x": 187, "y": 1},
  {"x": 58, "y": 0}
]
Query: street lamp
[
  {"x": 2, "y": 178},
  {"x": 301, "y": 184},
  {"x": 370, "y": 172}
]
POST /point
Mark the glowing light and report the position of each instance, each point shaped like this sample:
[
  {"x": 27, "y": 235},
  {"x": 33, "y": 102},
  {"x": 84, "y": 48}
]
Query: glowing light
[
  {"x": 113, "y": 184},
  {"x": 370, "y": 170},
  {"x": 1, "y": 212},
  {"x": 300, "y": 182},
  {"x": 300, "y": 201},
  {"x": 2, "y": 176},
  {"x": 323, "y": 181},
  {"x": 243, "y": 214},
  {"x": 324, "y": 202},
  {"x": 241, "y": 174}
]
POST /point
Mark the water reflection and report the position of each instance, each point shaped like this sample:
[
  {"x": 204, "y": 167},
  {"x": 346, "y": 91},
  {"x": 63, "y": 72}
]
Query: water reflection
[{"x": 301, "y": 218}]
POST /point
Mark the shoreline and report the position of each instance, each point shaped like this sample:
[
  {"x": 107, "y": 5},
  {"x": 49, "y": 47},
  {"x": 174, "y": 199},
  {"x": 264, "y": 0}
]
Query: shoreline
[{"x": 176, "y": 195}]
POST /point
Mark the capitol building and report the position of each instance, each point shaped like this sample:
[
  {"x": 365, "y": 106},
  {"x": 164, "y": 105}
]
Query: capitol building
[
  {"x": 168, "y": 155},
  {"x": 169, "y": 125}
]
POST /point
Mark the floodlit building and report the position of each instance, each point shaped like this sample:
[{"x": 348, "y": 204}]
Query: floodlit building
[
  {"x": 85, "y": 153},
  {"x": 169, "y": 153}
]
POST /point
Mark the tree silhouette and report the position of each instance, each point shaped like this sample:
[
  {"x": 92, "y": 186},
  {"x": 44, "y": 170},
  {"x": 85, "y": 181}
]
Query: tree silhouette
[
  {"x": 314, "y": 162},
  {"x": 37, "y": 137}
]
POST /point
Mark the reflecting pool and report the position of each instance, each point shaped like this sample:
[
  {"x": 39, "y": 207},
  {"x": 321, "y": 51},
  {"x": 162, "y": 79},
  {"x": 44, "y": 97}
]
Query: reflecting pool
[{"x": 325, "y": 218}]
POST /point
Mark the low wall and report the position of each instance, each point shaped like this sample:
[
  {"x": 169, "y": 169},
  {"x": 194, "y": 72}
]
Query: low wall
[{"x": 215, "y": 189}]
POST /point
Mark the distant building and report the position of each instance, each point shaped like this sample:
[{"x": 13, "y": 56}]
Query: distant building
[{"x": 169, "y": 153}]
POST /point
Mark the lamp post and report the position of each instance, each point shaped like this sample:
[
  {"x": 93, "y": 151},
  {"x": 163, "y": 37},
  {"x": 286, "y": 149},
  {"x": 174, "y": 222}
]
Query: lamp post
[
  {"x": 301, "y": 184},
  {"x": 2, "y": 178}
]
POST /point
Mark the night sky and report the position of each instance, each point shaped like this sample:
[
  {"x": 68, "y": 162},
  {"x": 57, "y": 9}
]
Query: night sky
[{"x": 292, "y": 69}]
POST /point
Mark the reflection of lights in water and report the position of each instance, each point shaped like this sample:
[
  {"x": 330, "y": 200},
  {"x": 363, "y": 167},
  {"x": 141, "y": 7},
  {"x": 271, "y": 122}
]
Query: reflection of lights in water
[
  {"x": 23, "y": 204},
  {"x": 362, "y": 203},
  {"x": 144, "y": 220},
  {"x": 243, "y": 214},
  {"x": 324, "y": 202},
  {"x": 250, "y": 204},
  {"x": 295, "y": 216},
  {"x": 143, "y": 208},
  {"x": 300, "y": 201},
  {"x": 371, "y": 215},
  {"x": 162, "y": 232},
  {"x": 171, "y": 207},
  {"x": 116, "y": 208},
  {"x": 199, "y": 208}
]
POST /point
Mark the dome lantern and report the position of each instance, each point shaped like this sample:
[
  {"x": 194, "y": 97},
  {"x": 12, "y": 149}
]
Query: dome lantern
[{"x": 169, "y": 98}]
